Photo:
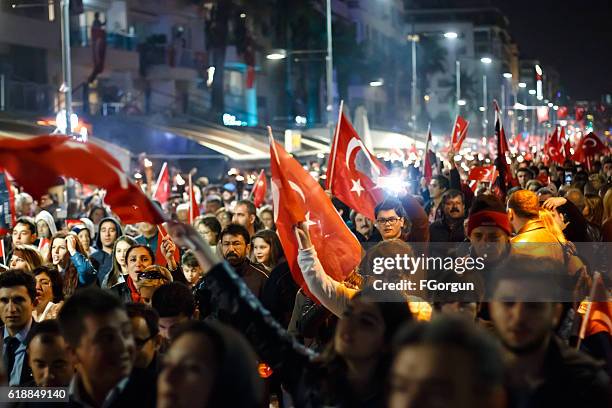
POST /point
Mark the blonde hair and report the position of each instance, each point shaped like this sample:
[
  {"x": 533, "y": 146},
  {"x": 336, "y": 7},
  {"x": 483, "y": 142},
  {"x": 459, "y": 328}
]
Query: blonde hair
[
  {"x": 551, "y": 225},
  {"x": 607, "y": 204}
]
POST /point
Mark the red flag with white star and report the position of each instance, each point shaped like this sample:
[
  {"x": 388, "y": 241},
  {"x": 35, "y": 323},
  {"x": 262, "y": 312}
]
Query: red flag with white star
[
  {"x": 37, "y": 162},
  {"x": 459, "y": 132},
  {"x": 554, "y": 148},
  {"x": 483, "y": 173},
  {"x": 162, "y": 187},
  {"x": 587, "y": 147},
  {"x": 299, "y": 198},
  {"x": 259, "y": 189},
  {"x": 353, "y": 172}
]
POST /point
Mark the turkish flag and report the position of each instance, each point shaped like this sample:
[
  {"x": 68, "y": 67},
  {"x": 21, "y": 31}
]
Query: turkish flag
[
  {"x": 588, "y": 146},
  {"x": 483, "y": 173},
  {"x": 567, "y": 154},
  {"x": 299, "y": 198},
  {"x": 194, "y": 209},
  {"x": 579, "y": 113},
  {"x": 562, "y": 112},
  {"x": 37, "y": 162},
  {"x": 260, "y": 189},
  {"x": 459, "y": 132},
  {"x": 598, "y": 314},
  {"x": 554, "y": 148},
  {"x": 353, "y": 173},
  {"x": 159, "y": 256},
  {"x": 162, "y": 187},
  {"x": 505, "y": 176}
]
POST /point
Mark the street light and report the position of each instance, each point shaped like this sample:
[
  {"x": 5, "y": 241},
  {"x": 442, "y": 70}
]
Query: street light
[
  {"x": 532, "y": 92},
  {"x": 451, "y": 35},
  {"x": 276, "y": 55},
  {"x": 486, "y": 60},
  {"x": 522, "y": 85},
  {"x": 377, "y": 83},
  {"x": 461, "y": 102},
  {"x": 507, "y": 75}
]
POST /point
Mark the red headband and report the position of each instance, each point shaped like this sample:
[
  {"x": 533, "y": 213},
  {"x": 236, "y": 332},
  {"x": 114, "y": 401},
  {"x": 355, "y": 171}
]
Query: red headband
[{"x": 489, "y": 219}]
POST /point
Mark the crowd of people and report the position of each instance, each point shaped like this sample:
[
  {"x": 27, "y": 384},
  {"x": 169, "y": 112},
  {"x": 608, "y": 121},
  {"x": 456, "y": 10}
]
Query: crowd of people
[{"x": 208, "y": 313}]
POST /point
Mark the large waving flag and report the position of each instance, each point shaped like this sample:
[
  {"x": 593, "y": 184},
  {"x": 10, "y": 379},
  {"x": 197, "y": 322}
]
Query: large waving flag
[
  {"x": 299, "y": 198},
  {"x": 7, "y": 205},
  {"x": 353, "y": 172},
  {"x": 459, "y": 132},
  {"x": 37, "y": 162}
]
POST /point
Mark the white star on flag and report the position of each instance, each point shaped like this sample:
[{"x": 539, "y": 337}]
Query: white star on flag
[
  {"x": 357, "y": 188},
  {"x": 308, "y": 222}
]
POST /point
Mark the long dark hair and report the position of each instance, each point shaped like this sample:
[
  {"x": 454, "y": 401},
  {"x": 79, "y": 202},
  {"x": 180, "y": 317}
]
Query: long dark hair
[
  {"x": 113, "y": 275},
  {"x": 236, "y": 383},
  {"x": 333, "y": 367},
  {"x": 276, "y": 249},
  {"x": 70, "y": 273}
]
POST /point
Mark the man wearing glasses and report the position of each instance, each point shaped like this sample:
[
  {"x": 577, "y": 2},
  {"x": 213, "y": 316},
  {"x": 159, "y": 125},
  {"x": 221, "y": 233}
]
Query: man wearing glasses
[{"x": 390, "y": 219}]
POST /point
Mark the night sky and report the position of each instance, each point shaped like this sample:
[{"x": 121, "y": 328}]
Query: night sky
[{"x": 573, "y": 36}]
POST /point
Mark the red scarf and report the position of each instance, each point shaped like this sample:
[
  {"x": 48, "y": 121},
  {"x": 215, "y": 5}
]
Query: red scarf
[{"x": 133, "y": 291}]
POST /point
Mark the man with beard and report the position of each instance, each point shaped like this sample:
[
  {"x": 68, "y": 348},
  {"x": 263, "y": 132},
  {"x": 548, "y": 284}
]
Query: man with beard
[
  {"x": 541, "y": 370},
  {"x": 235, "y": 248},
  {"x": 450, "y": 227}
]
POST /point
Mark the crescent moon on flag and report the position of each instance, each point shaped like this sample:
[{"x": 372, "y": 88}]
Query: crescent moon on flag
[
  {"x": 363, "y": 162},
  {"x": 590, "y": 142},
  {"x": 275, "y": 198},
  {"x": 298, "y": 190},
  {"x": 552, "y": 151}
]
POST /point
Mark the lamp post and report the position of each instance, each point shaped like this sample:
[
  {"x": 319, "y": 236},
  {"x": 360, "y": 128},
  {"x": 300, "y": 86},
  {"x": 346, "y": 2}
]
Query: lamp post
[
  {"x": 66, "y": 63},
  {"x": 329, "y": 70},
  {"x": 414, "y": 38}
]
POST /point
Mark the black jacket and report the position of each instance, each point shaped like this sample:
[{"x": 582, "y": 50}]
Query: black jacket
[
  {"x": 309, "y": 382},
  {"x": 573, "y": 379},
  {"x": 26, "y": 371}
]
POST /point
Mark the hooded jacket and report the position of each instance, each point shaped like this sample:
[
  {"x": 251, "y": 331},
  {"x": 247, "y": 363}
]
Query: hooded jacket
[
  {"x": 102, "y": 261},
  {"x": 48, "y": 218}
]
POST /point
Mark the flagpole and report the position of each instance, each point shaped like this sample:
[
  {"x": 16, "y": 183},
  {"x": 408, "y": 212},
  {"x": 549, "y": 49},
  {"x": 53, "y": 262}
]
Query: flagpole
[
  {"x": 254, "y": 185},
  {"x": 161, "y": 173},
  {"x": 332, "y": 153},
  {"x": 452, "y": 142},
  {"x": 426, "y": 146},
  {"x": 190, "y": 201},
  {"x": 587, "y": 314},
  {"x": 271, "y": 139}
]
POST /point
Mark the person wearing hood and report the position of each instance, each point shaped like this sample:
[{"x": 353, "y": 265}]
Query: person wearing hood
[
  {"x": 108, "y": 232},
  {"x": 45, "y": 225}
]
